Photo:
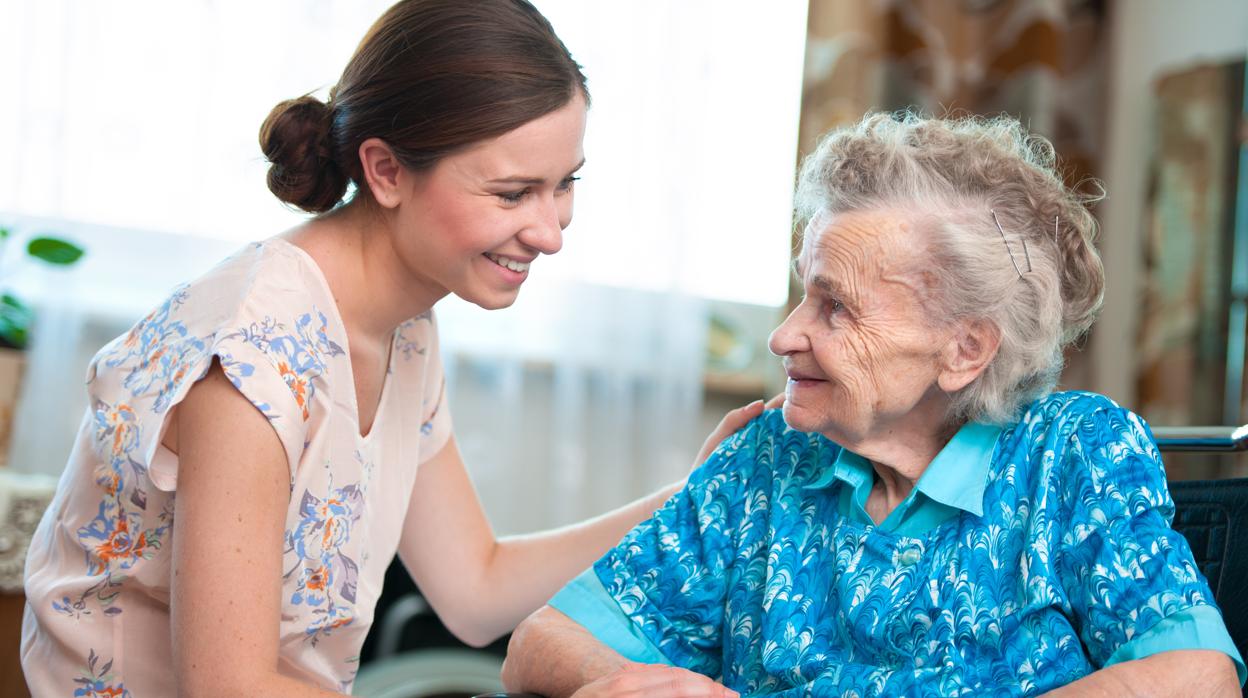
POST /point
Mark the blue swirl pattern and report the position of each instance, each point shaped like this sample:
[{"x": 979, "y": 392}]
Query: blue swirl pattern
[{"x": 751, "y": 577}]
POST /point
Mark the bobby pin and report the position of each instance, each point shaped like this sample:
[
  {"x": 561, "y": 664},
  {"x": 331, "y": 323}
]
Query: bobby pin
[{"x": 1010, "y": 251}]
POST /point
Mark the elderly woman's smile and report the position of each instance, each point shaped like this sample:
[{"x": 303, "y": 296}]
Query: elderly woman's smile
[{"x": 863, "y": 356}]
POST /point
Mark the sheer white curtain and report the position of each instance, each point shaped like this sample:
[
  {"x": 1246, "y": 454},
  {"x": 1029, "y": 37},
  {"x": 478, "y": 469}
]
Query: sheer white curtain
[{"x": 131, "y": 127}]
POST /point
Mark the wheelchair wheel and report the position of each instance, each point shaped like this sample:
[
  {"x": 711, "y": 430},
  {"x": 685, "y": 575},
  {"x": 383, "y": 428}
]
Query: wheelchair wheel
[{"x": 433, "y": 673}]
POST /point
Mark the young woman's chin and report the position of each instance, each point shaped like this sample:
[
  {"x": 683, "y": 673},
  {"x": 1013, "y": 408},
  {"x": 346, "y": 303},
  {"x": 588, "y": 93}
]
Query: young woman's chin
[{"x": 490, "y": 300}]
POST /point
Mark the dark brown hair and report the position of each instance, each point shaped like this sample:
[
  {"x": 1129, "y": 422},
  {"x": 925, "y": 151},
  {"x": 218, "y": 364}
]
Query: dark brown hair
[{"x": 429, "y": 78}]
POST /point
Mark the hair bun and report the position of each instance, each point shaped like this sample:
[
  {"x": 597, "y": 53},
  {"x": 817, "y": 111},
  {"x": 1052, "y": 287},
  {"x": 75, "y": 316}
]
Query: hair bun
[{"x": 295, "y": 140}]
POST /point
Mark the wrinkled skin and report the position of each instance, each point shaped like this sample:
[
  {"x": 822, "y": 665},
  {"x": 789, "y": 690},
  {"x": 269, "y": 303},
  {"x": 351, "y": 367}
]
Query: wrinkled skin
[{"x": 864, "y": 359}]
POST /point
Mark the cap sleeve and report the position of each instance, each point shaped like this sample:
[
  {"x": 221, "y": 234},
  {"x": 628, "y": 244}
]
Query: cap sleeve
[{"x": 138, "y": 380}]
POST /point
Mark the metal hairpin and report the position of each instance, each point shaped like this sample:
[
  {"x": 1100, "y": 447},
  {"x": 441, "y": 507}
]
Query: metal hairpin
[{"x": 1010, "y": 250}]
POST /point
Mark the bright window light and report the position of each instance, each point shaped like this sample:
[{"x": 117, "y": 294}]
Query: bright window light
[{"x": 144, "y": 115}]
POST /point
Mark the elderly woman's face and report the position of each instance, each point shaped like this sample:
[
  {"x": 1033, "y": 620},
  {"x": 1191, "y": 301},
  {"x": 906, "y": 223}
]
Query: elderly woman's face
[{"x": 860, "y": 355}]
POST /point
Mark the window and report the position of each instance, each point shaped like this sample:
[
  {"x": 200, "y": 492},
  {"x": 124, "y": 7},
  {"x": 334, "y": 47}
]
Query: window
[{"x": 144, "y": 115}]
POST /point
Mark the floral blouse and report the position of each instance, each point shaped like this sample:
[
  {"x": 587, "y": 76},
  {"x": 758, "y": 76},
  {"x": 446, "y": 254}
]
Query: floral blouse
[
  {"x": 97, "y": 576},
  {"x": 1024, "y": 559}
]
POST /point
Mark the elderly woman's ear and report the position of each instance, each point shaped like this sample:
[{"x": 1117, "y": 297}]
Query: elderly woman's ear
[{"x": 967, "y": 354}]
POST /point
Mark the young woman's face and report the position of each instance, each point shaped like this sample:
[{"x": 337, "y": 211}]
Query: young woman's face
[{"x": 475, "y": 223}]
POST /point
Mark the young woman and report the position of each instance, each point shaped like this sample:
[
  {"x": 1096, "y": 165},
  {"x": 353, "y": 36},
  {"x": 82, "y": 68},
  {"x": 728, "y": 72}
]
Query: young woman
[{"x": 293, "y": 397}]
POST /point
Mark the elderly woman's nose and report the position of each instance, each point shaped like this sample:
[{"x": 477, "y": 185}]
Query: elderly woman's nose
[{"x": 790, "y": 337}]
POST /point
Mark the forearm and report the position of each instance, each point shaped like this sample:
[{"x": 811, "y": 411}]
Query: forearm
[
  {"x": 552, "y": 655},
  {"x": 525, "y": 571},
  {"x": 1205, "y": 673}
]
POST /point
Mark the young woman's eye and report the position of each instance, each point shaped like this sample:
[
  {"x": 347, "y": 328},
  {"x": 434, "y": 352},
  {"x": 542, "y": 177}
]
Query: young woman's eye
[
  {"x": 513, "y": 197},
  {"x": 567, "y": 182}
]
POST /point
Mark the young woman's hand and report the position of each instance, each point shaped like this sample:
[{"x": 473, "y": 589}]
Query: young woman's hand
[
  {"x": 655, "y": 681},
  {"x": 734, "y": 420}
]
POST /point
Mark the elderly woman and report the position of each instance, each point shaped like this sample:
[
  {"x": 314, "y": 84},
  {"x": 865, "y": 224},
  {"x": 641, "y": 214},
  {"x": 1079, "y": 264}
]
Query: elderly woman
[{"x": 927, "y": 517}]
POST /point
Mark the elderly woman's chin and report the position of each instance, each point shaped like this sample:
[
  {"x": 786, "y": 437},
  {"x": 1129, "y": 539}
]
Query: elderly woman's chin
[{"x": 805, "y": 412}]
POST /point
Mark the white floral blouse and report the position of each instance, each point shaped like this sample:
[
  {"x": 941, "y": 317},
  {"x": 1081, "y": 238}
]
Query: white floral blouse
[{"x": 98, "y": 572}]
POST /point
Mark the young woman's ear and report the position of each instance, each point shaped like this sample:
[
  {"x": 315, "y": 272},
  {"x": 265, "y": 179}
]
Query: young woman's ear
[
  {"x": 382, "y": 171},
  {"x": 967, "y": 354}
]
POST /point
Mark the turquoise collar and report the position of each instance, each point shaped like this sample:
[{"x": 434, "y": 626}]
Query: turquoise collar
[{"x": 956, "y": 477}]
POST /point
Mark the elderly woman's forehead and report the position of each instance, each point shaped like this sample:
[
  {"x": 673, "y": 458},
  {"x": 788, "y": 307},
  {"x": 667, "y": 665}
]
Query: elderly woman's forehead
[{"x": 859, "y": 235}]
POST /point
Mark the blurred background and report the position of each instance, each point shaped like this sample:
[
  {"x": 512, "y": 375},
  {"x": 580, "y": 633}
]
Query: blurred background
[{"x": 129, "y": 130}]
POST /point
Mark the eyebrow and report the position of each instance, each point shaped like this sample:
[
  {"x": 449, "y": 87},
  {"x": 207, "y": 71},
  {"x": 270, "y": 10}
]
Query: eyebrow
[
  {"x": 828, "y": 286},
  {"x": 534, "y": 181}
]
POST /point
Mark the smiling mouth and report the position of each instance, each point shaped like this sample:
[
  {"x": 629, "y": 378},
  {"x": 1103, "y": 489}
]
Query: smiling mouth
[
  {"x": 799, "y": 377},
  {"x": 507, "y": 262}
]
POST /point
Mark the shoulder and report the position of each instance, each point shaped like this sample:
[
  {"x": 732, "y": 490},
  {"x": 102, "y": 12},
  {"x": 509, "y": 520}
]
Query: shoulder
[
  {"x": 1067, "y": 407},
  {"x": 253, "y": 282},
  {"x": 1060, "y": 421},
  {"x": 260, "y": 311},
  {"x": 1098, "y": 457},
  {"x": 764, "y": 453}
]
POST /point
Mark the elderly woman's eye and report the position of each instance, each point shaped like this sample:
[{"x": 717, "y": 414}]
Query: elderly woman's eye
[{"x": 834, "y": 306}]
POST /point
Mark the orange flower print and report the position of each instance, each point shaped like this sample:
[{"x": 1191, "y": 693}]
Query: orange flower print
[
  {"x": 330, "y": 620},
  {"x": 319, "y": 579},
  {"x": 98, "y": 682},
  {"x": 120, "y": 544},
  {"x": 116, "y": 439},
  {"x": 313, "y": 585},
  {"x": 298, "y": 386},
  {"x": 157, "y": 352},
  {"x": 327, "y": 577},
  {"x": 298, "y": 356},
  {"x": 115, "y": 538},
  {"x": 116, "y": 430}
]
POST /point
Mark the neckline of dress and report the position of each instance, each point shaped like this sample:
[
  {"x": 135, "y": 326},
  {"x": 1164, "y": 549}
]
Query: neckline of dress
[{"x": 303, "y": 256}]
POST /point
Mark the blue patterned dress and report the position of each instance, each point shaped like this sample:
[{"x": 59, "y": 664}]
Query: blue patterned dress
[{"x": 1025, "y": 558}]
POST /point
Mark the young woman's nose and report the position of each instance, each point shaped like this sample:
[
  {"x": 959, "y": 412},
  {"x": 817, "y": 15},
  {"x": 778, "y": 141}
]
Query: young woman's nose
[{"x": 544, "y": 232}]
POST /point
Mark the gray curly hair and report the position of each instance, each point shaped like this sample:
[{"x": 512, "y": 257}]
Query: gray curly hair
[{"x": 950, "y": 176}]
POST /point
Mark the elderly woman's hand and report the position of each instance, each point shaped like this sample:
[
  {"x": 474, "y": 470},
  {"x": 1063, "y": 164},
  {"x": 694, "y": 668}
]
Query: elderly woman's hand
[
  {"x": 655, "y": 681},
  {"x": 734, "y": 420}
]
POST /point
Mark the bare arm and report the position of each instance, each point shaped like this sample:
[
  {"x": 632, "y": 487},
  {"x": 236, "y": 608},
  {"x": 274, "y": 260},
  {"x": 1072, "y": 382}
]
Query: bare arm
[
  {"x": 233, "y": 490},
  {"x": 552, "y": 655},
  {"x": 1204, "y": 673},
  {"x": 480, "y": 586}
]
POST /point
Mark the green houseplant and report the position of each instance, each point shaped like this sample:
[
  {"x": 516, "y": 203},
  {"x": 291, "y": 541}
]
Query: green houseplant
[
  {"x": 15, "y": 315},
  {"x": 15, "y": 320}
]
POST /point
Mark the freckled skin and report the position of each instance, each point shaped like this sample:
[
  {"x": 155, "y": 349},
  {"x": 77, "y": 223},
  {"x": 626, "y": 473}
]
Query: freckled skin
[{"x": 877, "y": 360}]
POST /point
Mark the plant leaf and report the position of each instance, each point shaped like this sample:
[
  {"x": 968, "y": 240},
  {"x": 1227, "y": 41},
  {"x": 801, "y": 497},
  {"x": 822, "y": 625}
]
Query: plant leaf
[
  {"x": 54, "y": 250},
  {"x": 11, "y": 336},
  {"x": 15, "y": 319},
  {"x": 10, "y": 303}
]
